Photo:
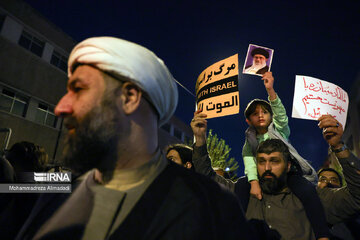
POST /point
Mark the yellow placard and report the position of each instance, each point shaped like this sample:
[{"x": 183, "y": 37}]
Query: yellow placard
[
  {"x": 223, "y": 69},
  {"x": 217, "y": 88},
  {"x": 219, "y": 106}
]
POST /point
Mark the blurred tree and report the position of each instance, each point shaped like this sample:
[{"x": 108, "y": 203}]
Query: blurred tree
[{"x": 219, "y": 154}]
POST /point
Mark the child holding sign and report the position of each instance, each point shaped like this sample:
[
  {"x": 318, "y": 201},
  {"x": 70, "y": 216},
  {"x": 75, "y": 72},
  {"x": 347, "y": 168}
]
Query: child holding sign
[{"x": 269, "y": 121}]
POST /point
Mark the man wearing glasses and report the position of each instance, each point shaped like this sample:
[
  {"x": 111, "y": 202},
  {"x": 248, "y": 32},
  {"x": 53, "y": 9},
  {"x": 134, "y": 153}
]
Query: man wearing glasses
[{"x": 330, "y": 178}]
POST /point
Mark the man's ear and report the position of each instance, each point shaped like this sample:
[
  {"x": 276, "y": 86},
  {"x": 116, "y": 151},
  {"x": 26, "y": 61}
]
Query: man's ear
[
  {"x": 188, "y": 165},
  {"x": 248, "y": 121},
  {"x": 131, "y": 97}
]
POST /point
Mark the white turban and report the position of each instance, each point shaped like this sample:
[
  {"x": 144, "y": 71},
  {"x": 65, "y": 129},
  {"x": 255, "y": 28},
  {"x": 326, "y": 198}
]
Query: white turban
[{"x": 119, "y": 57}]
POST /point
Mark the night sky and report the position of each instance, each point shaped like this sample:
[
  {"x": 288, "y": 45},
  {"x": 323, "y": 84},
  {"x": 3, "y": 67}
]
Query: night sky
[{"x": 318, "y": 38}]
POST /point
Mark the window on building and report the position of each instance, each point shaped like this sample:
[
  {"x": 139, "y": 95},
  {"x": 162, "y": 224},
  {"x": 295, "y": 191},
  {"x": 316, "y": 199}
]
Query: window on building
[
  {"x": 13, "y": 102},
  {"x": 177, "y": 134},
  {"x": 31, "y": 43},
  {"x": 45, "y": 115},
  {"x": 59, "y": 61},
  {"x": 166, "y": 127}
]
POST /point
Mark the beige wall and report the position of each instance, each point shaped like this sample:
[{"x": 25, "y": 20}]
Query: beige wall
[
  {"x": 27, "y": 72},
  {"x": 32, "y": 76},
  {"x": 24, "y": 130}
]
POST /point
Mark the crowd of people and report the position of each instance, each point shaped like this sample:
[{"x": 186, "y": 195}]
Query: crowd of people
[{"x": 118, "y": 95}]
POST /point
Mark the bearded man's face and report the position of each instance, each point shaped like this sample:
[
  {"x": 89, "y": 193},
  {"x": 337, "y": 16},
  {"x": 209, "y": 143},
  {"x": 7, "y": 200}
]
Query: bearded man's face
[
  {"x": 272, "y": 169},
  {"x": 93, "y": 121},
  {"x": 273, "y": 184},
  {"x": 259, "y": 60},
  {"x": 94, "y": 143}
]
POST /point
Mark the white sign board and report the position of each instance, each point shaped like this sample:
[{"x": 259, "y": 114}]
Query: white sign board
[{"x": 314, "y": 97}]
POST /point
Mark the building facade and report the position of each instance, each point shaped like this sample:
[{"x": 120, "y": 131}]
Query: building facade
[
  {"x": 33, "y": 62},
  {"x": 33, "y": 65},
  {"x": 175, "y": 131}
]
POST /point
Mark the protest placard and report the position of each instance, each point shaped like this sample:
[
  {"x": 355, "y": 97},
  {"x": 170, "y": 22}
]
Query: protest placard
[
  {"x": 314, "y": 97},
  {"x": 217, "y": 91}
]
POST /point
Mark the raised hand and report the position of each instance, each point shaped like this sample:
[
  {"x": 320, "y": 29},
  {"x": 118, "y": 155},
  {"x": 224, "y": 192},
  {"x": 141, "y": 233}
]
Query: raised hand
[
  {"x": 269, "y": 85},
  {"x": 199, "y": 127},
  {"x": 332, "y": 130}
]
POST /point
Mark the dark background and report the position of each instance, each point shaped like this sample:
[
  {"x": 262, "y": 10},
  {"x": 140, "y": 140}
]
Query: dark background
[{"x": 313, "y": 38}]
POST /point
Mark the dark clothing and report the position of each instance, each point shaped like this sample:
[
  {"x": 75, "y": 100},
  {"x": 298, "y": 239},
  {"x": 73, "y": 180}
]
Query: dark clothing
[
  {"x": 14, "y": 207},
  {"x": 282, "y": 216},
  {"x": 305, "y": 191},
  {"x": 7, "y": 173},
  {"x": 348, "y": 230},
  {"x": 343, "y": 203},
  {"x": 179, "y": 204},
  {"x": 354, "y": 225}
]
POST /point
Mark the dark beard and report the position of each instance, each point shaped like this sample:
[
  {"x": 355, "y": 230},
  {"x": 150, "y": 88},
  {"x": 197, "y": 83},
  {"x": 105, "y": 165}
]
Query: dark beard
[
  {"x": 94, "y": 143},
  {"x": 273, "y": 185}
]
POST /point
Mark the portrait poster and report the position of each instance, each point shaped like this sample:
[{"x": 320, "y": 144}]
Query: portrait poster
[
  {"x": 258, "y": 60},
  {"x": 314, "y": 97},
  {"x": 217, "y": 91}
]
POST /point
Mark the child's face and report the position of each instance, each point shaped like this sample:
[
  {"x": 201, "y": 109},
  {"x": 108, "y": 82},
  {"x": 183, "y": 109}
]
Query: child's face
[{"x": 260, "y": 118}]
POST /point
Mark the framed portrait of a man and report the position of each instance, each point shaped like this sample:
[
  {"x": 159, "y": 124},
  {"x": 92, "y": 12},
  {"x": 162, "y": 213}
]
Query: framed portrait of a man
[{"x": 258, "y": 60}]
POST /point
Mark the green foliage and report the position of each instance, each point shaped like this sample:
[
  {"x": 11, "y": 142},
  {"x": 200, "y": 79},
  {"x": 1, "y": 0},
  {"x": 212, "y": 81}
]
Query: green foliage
[{"x": 219, "y": 154}]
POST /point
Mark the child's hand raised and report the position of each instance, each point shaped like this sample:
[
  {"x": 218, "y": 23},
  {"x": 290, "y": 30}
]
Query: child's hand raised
[
  {"x": 269, "y": 85},
  {"x": 268, "y": 80}
]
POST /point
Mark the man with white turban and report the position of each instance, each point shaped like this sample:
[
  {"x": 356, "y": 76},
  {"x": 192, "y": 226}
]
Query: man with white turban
[{"x": 118, "y": 94}]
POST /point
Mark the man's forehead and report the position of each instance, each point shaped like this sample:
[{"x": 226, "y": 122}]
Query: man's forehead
[
  {"x": 270, "y": 155},
  {"x": 85, "y": 74},
  {"x": 259, "y": 56},
  {"x": 173, "y": 152},
  {"x": 328, "y": 174}
]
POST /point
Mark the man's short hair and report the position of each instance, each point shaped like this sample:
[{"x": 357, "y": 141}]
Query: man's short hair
[
  {"x": 251, "y": 107},
  {"x": 260, "y": 51},
  {"x": 331, "y": 170},
  {"x": 185, "y": 152},
  {"x": 274, "y": 145}
]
